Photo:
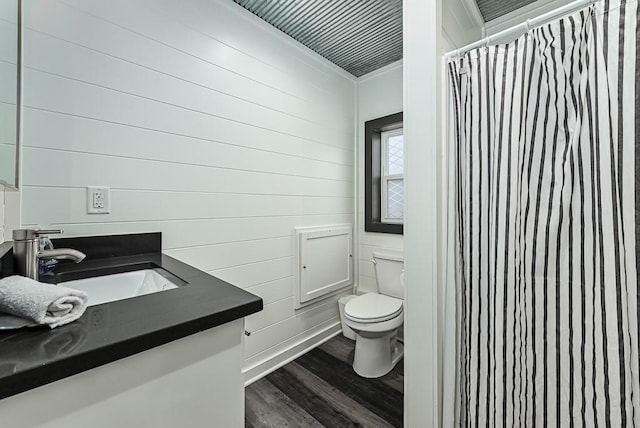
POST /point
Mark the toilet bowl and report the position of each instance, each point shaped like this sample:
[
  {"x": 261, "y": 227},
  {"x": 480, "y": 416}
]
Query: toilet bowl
[{"x": 376, "y": 317}]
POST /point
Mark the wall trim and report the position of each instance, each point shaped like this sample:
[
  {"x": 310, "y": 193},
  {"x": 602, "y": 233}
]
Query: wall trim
[
  {"x": 474, "y": 12},
  {"x": 462, "y": 22},
  {"x": 285, "y": 356},
  {"x": 449, "y": 40},
  {"x": 375, "y": 73}
]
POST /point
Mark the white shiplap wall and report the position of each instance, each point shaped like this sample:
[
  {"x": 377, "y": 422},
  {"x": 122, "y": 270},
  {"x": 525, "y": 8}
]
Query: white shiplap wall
[
  {"x": 462, "y": 22},
  {"x": 208, "y": 125},
  {"x": 2, "y": 209},
  {"x": 379, "y": 94},
  {"x": 8, "y": 93}
]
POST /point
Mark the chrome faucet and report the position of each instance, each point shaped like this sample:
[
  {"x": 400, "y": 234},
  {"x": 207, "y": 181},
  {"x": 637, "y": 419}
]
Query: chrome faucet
[{"x": 27, "y": 252}]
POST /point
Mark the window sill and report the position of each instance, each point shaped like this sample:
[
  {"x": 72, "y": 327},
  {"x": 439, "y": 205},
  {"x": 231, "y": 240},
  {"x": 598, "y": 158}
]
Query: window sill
[{"x": 376, "y": 226}]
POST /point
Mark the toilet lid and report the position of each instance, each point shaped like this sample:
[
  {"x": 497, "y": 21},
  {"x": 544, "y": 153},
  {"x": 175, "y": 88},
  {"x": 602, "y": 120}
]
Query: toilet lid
[{"x": 373, "y": 307}]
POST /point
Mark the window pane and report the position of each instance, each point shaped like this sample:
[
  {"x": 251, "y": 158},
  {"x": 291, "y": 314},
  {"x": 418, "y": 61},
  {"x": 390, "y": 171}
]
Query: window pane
[
  {"x": 395, "y": 155},
  {"x": 395, "y": 198}
]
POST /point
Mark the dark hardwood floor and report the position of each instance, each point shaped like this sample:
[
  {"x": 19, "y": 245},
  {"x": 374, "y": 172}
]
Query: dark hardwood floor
[{"x": 320, "y": 389}]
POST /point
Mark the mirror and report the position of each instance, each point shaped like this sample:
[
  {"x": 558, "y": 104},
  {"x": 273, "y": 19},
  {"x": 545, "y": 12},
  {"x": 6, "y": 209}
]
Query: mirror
[{"x": 9, "y": 63}]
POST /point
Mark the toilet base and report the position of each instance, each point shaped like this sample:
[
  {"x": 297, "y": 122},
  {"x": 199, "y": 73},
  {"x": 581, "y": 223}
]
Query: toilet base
[{"x": 378, "y": 355}]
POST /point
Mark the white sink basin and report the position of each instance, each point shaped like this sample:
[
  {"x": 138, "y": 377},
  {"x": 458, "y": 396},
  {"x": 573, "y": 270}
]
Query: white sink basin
[{"x": 103, "y": 289}]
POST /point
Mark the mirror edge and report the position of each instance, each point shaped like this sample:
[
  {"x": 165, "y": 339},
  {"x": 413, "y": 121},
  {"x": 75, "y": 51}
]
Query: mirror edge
[{"x": 16, "y": 179}]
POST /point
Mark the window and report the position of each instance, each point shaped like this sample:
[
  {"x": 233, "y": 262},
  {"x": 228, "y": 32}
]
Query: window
[
  {"x": 392, "y": 180},
  {"x": 384, "y": 174}
]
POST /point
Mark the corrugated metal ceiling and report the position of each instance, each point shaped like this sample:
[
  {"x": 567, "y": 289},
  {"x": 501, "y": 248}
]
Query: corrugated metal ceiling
[
  {"x": 359, "y": 36},
  {"x": 492, "y": 9}
]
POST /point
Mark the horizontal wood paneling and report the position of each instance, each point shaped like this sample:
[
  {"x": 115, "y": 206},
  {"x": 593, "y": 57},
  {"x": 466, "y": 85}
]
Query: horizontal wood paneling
[
  {"x": 78, "y": 134},
  {"x": 366, "y": 251},
  {"x": 256, "y": 274},
  {"x": 8, "y": 74},
  {"x": 208, "y": 126},
  {"x": 273, "y": 291},
  {"x": 379, "y": 94},
  {"x": 68, "y": 96},
  {"x": 8, "y": 97},
  {"x": 73, "y": 169},
  {"x": 259, "y": 346},
  {"x": 268, "y": 50},
  {"x": 209, "y": 29},
  {"x": 2, "y": 215},
  {"x": 163, "y": 43},
  {"x": 280, "y": 311},
  {"x": 69, "y": 205},
  {"x": 7, "y": 161},
  {"x": 7, "y": 123},
  {"x": 272, "y": 313},
  {"x": 8, "y": 31},
  {"x": 218, "y": 256},
  {"x": 84, "y": 66},
  {"x": 368, "y": 284},
  {"x": 196, "y": 232},
  {"x": 366, "y": 268}
]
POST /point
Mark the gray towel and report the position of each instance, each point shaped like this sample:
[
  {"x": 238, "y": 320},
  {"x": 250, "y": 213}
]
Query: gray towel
[{"x": 46, "y": 304}]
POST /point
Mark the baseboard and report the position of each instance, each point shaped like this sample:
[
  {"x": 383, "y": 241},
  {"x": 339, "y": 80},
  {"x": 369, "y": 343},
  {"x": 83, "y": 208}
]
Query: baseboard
[{"x": 263, "y": 368}]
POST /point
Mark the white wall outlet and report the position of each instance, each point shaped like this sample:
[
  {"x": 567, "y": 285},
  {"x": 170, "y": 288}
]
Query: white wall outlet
[{"x": 98, "y": 200}]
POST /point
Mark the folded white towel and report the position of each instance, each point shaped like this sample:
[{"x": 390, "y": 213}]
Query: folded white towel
[{"x": 47, "y": 304}]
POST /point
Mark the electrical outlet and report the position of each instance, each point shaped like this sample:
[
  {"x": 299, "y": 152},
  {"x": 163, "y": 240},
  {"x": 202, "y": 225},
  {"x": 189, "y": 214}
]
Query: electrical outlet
[{"x": 98, "y": 200}]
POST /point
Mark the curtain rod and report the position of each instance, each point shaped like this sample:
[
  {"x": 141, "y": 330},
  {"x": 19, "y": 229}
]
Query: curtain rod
[{"x": 528, "y": 24}]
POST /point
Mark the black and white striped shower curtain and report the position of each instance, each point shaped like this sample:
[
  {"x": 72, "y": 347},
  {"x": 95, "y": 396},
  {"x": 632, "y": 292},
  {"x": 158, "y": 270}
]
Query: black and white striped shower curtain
[{"x": 545, "y": 142}]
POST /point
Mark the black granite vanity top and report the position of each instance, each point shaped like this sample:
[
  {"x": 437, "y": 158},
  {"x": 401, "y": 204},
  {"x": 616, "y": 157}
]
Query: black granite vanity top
[{"x": 32, "y": 357}]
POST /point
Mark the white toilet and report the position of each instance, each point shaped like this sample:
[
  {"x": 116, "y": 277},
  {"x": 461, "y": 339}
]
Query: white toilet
[{"x": 376, "y": 318}]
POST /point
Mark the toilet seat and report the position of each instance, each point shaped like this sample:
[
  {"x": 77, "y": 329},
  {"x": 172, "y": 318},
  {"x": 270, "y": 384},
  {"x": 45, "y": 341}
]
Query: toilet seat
[{"x": 373, "y": 308}]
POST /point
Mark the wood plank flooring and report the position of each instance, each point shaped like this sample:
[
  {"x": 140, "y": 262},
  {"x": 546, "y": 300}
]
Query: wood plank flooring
[{"x": 320, "y": 389}]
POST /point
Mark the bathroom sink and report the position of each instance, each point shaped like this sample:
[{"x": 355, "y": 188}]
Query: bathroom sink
[{"x": 109, "y": 288}]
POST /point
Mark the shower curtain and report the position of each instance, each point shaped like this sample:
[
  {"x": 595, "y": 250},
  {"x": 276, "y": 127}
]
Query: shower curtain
[{"x": 543, "y": 322}]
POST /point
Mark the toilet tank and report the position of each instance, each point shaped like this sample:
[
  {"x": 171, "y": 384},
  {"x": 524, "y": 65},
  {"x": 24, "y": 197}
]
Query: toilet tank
[{"x": 389, "y": 268}]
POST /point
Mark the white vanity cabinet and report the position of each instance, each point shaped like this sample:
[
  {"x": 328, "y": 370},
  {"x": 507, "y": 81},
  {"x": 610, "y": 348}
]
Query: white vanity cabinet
[{"x": 195, "y": 381}]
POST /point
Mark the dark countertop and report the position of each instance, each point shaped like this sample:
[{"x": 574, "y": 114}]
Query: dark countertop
[{"x": 33, "y": 357}]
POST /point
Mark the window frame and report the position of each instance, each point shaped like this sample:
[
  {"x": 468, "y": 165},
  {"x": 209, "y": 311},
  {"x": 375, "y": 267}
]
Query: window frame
[{"x": 374, "y": 222}]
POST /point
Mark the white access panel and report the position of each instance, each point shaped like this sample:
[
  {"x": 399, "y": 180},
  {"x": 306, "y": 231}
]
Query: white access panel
[{"x": 323, "y": 261}]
